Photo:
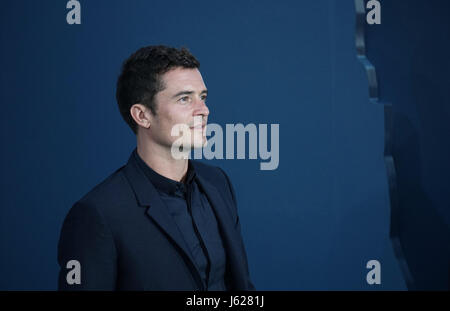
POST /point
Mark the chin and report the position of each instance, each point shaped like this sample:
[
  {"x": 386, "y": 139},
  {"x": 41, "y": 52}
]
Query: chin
[{"x": 199, "y": 144}]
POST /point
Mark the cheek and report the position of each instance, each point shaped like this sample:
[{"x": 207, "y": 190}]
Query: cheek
[
  {"x": 171, "y": 117},
  {"x": 178, "y": 115},
  {"x": 165, "y": 117}
]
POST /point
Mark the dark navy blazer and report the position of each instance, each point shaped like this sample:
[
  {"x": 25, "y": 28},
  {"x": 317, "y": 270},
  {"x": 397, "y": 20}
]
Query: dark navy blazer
[{"x": 125, "y": 239}]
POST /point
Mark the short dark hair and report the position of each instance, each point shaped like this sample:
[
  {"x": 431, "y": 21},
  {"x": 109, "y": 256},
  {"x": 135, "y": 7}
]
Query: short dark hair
[{"x": 140, "y": 77}]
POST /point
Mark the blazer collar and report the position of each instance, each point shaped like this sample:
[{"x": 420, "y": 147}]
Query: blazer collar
[
  {"x": 147, "y": 196},
  {"x": 231, "y": 238}
]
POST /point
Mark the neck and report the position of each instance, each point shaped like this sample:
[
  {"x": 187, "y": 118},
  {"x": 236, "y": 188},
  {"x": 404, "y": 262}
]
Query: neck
[{"x": 160, "y": 159}]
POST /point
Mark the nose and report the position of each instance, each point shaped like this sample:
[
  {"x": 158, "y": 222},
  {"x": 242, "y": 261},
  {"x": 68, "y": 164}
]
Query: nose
[{"x": 201, "y": 108}]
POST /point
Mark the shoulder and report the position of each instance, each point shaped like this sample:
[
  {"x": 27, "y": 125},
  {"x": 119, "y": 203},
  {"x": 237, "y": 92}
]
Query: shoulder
[
  {"x": 109, "y": 189},
  {"x": 112, "y": 191}
]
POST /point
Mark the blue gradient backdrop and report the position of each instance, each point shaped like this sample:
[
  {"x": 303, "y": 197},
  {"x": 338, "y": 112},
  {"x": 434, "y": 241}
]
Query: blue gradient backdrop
[{"x": 313, "y": 223}]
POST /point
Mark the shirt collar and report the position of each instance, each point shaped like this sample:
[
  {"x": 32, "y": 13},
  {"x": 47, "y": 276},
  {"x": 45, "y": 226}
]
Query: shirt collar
[{"x": 163, "y": 183}]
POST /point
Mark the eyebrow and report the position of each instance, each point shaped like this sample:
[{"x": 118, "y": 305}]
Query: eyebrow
[{"x": 189, "y": 93}]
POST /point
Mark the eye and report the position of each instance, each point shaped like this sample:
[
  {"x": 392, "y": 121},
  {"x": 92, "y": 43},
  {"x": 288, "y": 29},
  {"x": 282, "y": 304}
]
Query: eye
[
  {"x": 185, "y": 99},
  {"x": 204, "y": 97}
]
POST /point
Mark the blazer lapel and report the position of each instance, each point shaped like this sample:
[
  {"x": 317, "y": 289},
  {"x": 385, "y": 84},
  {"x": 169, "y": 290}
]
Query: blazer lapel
[
  {"x": 147, "y": 196},
  {"x": 231, "y": 238}
]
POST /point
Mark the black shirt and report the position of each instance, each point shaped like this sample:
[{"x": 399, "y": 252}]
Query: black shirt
[{"x": 193, "y": 214}]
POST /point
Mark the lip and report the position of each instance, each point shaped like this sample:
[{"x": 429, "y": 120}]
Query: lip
[{"x": 198, "y": 127}]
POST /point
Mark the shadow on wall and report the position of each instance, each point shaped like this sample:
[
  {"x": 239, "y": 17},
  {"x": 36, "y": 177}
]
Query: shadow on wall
[
  {"x": 422, "y": 158},
  {"x": 410, "y": 50},
  {"x": 423, "y": 234}
]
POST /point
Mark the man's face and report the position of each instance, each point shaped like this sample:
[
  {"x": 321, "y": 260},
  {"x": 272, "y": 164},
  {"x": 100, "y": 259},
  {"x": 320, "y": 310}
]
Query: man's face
[{"x": 182, "y": 100}]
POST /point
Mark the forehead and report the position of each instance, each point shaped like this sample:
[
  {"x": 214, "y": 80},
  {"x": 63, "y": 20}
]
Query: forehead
[{"x": 183, "y": 79}]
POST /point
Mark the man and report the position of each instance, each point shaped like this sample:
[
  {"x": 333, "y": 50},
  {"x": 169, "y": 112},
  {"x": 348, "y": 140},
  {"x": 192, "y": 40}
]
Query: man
[{"x": 161, "y": 222}]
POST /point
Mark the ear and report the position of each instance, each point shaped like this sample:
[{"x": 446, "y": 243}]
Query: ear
[{"x": 141, "y": 115}]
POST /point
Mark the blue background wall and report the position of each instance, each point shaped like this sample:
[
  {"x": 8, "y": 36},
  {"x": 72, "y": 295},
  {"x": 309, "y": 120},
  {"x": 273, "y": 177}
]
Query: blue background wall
[
  {"x": 410, "y": 51},
  {"x": 313, "y": 223}
]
